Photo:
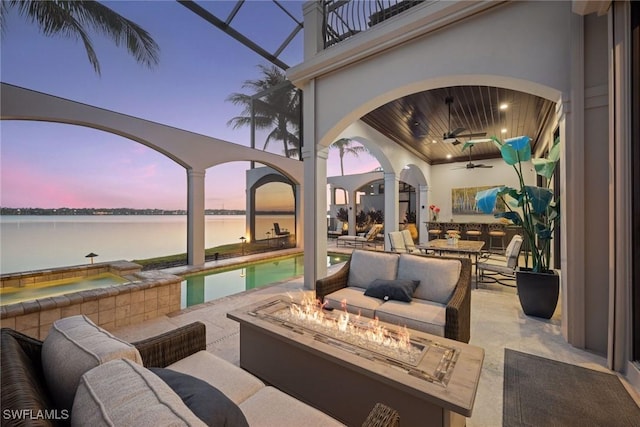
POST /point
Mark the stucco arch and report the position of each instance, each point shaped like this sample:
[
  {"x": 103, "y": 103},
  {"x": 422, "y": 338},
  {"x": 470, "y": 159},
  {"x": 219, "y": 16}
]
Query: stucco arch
[
  {"x": 188, "y": 149},
  {"x": 257, "y": 178},
  {"x": 195, "y": 152},
  {"x": 446, "y": 58}
]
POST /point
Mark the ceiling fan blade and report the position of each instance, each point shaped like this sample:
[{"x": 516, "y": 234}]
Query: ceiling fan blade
[
  {"x": 456, "y": 142},
  {"x": 456, "y": 131},
  {"x": 473, "y": 135},
  {"x": 484, "y": 166}
]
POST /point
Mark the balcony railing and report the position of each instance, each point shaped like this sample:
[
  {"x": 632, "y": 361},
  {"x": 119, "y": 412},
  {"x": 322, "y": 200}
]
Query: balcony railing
[{"x": 345, "y": 18}]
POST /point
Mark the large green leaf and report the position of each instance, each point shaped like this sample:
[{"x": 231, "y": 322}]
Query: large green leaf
[
  {"x": 496, "y": 142},
  {"x": 515, "y": 150},
  {"x": 512, "y": 216},
  {"x": 539, "y": 197},
  {"x": 486, "y": 199},
  {"x": 544, "y": 167}
]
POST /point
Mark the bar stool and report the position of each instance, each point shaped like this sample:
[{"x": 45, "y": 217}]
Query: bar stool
[
  {"x": 450, "y": 226},
  {"x": 497, "y": 231},
  {"x": 473, "y": 231},
  {"x": 434, "y": 230}
]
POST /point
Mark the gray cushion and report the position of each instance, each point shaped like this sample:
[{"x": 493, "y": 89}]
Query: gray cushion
[
  {"x": 357, "y": 302},
  {"x": 425, "y": 316},
  {"x": 398, "y": 290},
  {"x": 367, "y": 266},
  {"x": 438, "y": 277},
  {"x": 75, "y": 345},
  {"x": 270, "y": 407},
  {"x": 122, "y": 393},
  {"x": 236, "y": 383},
  {"x": 205, "y": 401}
]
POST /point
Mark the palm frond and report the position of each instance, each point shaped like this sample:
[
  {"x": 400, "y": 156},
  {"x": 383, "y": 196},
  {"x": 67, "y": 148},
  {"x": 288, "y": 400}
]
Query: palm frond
[{"x": 74, "y": 19}]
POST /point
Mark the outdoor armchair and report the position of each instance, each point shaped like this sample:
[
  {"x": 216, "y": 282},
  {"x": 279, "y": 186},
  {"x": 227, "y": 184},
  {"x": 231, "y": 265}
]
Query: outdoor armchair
[{"x": 501, "y": 265}]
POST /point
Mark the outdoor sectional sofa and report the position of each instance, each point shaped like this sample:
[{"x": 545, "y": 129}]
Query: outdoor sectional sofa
[
  {"x": 83, "y": 375},
  {"x": 383, "y": 285}
]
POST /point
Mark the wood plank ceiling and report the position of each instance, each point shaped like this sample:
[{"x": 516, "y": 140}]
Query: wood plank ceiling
[{"x": 419, "y": 121}]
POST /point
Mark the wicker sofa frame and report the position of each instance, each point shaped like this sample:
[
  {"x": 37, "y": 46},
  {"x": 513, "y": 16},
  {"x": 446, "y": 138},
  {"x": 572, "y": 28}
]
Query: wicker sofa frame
[
  {"x": 458, "y": 310},
  {"x": 23, "y": 385}
]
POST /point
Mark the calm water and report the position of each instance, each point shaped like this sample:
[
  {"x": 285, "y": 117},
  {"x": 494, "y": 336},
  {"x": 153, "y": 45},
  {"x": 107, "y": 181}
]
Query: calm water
[
  {"x": 11, "y": 295},
  {"x": 37, "y": 242},
  {"x": 204, "y": 287}
]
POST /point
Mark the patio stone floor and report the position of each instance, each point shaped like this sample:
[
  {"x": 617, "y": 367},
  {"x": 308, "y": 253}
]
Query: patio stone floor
[{"x": 497, "y": 322}]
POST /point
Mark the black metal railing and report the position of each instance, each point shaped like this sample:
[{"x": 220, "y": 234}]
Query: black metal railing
[{"x": 345, "y": 18}]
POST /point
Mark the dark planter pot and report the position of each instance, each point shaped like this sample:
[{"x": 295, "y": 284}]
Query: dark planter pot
[{"x": 538, "y": 292}]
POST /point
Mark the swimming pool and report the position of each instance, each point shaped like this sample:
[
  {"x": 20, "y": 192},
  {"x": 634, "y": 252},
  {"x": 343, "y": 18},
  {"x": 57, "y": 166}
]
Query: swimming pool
[
  {"x": 208, "y": 286},
  {"x": 52, "y": 288}
]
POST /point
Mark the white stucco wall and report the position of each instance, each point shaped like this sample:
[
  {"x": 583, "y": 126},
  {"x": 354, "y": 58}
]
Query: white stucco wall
[
  {"x": 445, "y": 177},
  {"x": 528, "y": 51}
]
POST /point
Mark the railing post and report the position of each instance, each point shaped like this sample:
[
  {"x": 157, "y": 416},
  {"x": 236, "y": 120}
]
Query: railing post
[{"x": 313, "y": 26}]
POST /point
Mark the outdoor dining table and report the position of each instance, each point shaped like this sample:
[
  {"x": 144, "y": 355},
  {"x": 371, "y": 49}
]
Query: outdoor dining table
[{"x": 469, "y": 247}]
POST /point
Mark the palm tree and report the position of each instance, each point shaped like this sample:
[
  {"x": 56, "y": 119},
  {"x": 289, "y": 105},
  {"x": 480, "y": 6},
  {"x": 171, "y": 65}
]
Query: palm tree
[
  {"x": 345, "y": 146},
  {"x": 73, "y": 19},
  {"x": 275, "y": 105}
]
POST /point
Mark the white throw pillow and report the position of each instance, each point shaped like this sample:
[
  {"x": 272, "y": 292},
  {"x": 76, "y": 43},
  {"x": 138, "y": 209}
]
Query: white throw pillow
[
  {"x": 122, "y": 393},
  {"x": 367, "y": 266},
  {"x": 438, "y": 277},
  {"x": 75, "y": 345}
]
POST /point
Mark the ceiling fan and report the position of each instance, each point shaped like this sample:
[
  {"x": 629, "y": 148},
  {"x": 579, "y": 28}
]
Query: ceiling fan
[
  {"x": 451, "y": 136},
  {"x": 472, "y": 165}
]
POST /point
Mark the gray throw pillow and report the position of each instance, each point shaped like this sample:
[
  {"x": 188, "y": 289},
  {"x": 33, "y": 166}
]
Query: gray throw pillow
[
  {"x": 398, "y": 290},
  {"x": 205, "y": 401}
]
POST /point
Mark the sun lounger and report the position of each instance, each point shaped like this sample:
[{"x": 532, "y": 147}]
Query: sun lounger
[{"x": 360, "y": 240}]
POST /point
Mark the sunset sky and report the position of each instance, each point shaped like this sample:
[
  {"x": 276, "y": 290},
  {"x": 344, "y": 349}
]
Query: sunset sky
[{"x": 54, "y": 165}]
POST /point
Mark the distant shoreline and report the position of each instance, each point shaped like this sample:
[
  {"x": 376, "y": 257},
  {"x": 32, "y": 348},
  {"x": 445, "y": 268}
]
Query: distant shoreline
[{"x": 122, "y": 211}]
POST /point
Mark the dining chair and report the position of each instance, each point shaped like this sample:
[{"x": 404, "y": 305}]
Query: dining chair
[{"x": 501, "y": 265}]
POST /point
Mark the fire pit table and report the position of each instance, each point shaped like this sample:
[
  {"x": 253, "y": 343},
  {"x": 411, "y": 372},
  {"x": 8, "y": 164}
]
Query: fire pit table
[{"x": 343, "y": 364}]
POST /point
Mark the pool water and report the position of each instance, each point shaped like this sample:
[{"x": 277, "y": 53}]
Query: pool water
[
  {"x": 51, "y": 288},
  {"x": 208, "y": 286}
]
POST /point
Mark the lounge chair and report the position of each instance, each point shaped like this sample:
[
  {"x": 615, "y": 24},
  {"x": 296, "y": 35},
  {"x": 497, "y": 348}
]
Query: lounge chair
[
  {"x": 278, "y": 231},
  {"x": 501, "y": 267},
  {"x": 401, "y": 241},
  {"x": 337, "y": 231},
  {"x": 360, "y": 240}
]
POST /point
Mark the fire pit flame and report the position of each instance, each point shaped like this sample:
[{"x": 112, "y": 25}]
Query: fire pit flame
[{"x": 310, "y": 312}]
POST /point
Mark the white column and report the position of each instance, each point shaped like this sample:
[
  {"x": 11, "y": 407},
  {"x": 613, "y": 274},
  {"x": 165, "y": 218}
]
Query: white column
[
  {"x": 352, "y": 213},
  {"x": 195, "y": 217},
  {"x": 572, "y": 220},
  {"x": 422, "y": 214},
  {"x": 315, "y": 195},
  {"x": 249, "y": 209},
  {"x": 299, "y": 191},
  {"x": 391, "y": 209},
  {"x": 619, "y": 352}
]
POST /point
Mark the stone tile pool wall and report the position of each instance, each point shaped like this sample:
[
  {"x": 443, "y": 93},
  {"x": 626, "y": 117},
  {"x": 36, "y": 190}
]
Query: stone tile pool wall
[{"x": 146, "y": 295}]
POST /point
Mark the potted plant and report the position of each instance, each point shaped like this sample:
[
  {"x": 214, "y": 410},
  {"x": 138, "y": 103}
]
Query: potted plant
[
  {"x": 534, "y": 209},
  {"x": 343, "y": 215},
  {"x": 434, "y": 212},
  {"x": 410, "y": 224}
]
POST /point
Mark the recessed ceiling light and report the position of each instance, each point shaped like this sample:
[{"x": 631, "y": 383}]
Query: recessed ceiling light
[
  {"x": 504, "y": 130},
  {"x": 449, "y": 156},
  {"x": 433, "y": 141},
  {"x": 504, "y": 106}
]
